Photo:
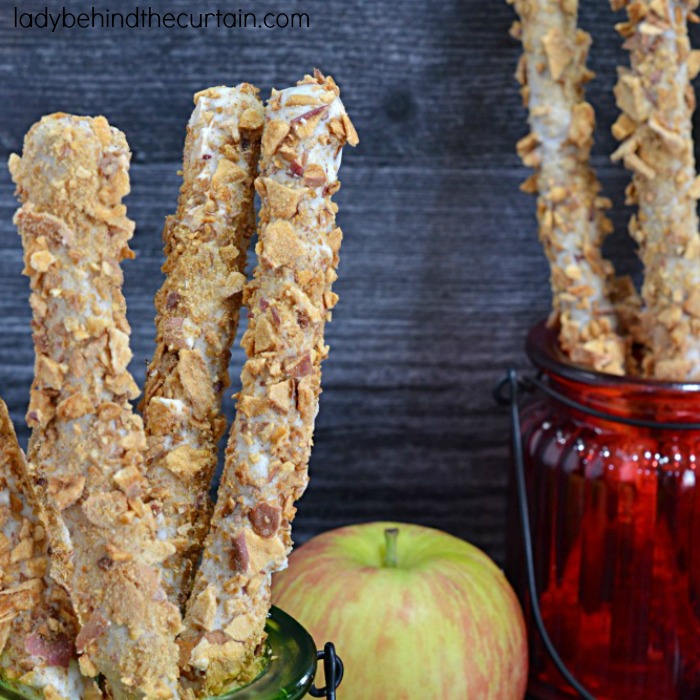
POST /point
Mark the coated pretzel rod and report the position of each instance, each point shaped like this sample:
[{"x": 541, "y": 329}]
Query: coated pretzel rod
[
  {"x": 86, "y": 452},
  {"x": 655, "y": 128},
  {"x": 289, "y": 301},
  {"x": 570, "y": 211},
  {"x": 37, "y": 623},
  {"x": 198, "y": 307}
]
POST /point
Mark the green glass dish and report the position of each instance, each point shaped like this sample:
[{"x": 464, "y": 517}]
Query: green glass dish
[{"x": 287, "y": 674}]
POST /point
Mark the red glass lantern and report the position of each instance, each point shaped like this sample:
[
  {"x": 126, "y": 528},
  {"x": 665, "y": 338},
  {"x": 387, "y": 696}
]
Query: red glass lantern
[{"x": 610, "y": 467}]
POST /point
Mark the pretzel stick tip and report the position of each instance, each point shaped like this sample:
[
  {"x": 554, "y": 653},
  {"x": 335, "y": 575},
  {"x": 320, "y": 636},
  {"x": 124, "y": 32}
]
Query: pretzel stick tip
[
  {"x": 289, "y": 301},
  {"x": 87, "y": 446},
  {"x": 198, "y": 306}
]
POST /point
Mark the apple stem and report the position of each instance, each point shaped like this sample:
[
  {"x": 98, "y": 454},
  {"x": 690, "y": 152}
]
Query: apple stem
[{"x": 391, "y": 538}]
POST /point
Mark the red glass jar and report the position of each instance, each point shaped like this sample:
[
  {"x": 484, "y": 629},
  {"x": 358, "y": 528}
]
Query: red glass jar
[{"x": 615, "y": 520}]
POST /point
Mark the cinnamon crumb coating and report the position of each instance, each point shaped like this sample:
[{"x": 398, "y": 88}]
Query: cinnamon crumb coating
[
  {"x": 37, "y": 624},
  {"x": 570, "y": 210},
  {"x": 198, "y": 307},
  {"x": 289, "y": 301},
  {"x": 86, "y": 452},
  {"x": 655, "y": 128}
]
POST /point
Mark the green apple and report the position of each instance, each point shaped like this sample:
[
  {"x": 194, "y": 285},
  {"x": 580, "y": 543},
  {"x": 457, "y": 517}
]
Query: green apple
[{"x": 415, "y": 613}]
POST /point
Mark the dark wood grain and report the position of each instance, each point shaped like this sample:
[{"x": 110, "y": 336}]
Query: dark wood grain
[{"x": 441, "y": 272}]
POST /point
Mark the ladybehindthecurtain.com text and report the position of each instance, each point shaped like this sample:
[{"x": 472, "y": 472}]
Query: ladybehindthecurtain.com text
[{"x": 147, "y": 18}]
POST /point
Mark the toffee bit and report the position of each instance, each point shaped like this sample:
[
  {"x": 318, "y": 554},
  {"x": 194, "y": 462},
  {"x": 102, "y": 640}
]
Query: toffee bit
[
  {"x": 296, "y": 169},
  {"x": 308, "y": 115},
  {"x": 172, "y": 300}
]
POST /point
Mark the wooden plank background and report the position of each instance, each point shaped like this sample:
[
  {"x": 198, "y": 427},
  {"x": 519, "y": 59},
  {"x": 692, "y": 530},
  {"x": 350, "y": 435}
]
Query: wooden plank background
[{"x": 441, "y": 272}]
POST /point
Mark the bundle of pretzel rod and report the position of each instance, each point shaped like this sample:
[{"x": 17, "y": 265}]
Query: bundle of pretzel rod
[
  {"x": 289, "y": 300},
  {"x": 603, "y": 324},
  {"x": 122, "y": 509}
]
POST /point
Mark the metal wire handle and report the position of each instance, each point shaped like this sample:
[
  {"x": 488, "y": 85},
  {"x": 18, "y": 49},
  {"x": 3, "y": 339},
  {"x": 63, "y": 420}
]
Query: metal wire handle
[
  {"x": 511, "y": 382},
  {"x": 333, "y": 670}
]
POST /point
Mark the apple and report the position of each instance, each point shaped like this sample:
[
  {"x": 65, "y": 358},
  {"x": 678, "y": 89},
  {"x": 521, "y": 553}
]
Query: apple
[{"x": 414, "y": 613}]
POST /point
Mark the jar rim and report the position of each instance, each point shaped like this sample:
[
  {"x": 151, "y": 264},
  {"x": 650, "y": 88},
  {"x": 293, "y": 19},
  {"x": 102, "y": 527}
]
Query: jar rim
[{"x": 542, "y": 348}]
